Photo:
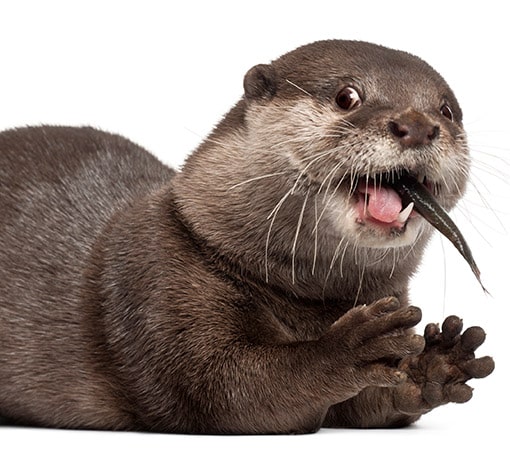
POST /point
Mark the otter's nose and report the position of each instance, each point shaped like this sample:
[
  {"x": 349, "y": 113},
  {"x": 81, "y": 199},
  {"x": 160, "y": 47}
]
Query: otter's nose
[{"x": 413, "y": 129}]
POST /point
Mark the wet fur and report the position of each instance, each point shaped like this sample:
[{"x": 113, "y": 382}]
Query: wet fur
[{"x": 133, "y": 297}]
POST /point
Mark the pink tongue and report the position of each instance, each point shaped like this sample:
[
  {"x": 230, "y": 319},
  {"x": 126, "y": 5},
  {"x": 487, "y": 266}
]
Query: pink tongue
[{"x": 384, "y": 204}]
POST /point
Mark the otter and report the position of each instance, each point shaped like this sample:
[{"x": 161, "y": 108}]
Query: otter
[{"x": 262, "y": 288}]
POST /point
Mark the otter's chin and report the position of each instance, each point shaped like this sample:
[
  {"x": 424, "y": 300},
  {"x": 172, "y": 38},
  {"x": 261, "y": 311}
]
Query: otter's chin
[{"x": 374, "y": 234}]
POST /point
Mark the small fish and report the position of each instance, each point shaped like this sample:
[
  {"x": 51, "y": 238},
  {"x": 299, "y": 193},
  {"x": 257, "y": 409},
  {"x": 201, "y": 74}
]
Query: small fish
[{"x": 411, "y": 190}]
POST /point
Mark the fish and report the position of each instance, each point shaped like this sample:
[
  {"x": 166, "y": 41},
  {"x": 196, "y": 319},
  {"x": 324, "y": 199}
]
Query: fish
[{"x": 411, "y": 190}]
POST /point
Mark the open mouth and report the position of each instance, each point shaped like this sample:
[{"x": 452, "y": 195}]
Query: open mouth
[
  {"x": 397, "y": 197},
  {"x": 380, "y": 200}
]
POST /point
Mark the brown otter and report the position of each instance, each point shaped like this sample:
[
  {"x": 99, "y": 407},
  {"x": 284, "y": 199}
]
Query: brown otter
[{"x": 254, "y": 291}]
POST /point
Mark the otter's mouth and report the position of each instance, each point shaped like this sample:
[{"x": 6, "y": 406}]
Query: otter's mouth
[
  {"x": 398, "y": 198},
  {"x": 379, "y": 200}
]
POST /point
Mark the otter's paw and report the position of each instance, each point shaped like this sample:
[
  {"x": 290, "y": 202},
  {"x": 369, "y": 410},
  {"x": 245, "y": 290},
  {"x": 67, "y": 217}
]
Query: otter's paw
[
  {"x": 439, "y": 374},
  {"x": 362, "y": 346}
]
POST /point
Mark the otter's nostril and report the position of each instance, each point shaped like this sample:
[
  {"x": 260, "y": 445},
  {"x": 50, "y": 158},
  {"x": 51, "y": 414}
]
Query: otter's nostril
[
  {"x": 398, "y": 130},
  {"x": 434, "y": 133}
]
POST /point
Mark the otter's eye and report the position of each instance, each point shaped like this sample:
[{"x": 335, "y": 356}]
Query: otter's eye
[
  {"x": 348, "y": 98},
  {"x": 447, "y": 112}
]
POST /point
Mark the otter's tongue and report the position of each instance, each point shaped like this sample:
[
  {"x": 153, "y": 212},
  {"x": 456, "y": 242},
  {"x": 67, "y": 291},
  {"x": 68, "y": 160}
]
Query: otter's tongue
[{"x": 383, "y": 203}]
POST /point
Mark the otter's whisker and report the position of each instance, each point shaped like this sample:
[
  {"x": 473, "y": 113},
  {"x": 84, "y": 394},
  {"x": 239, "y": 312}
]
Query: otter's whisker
[
  {"x": 288, "y": 141},
  {"x": 469, "y": 218},
  {"x": 333, "y": 260},
  {"x": 342, "y": 260},
  {"x": 396, "y": 252},
  {"x": 361, "y": 278},
  {"x": 343, "y": 121},
  {"x": 413, "y": 245},
  {"x": 208, "y": 138},
  {"x": 444, "y": 274},
  {"x": 261, "y": 177},
  {"x": 272, "y": 216},
  {"x": 315, "y": 233},
  {"x": 365, "y": 204},
  {"x": 303, "y": 171},
  {"x": 298, "y": 228},
  {"x": 484, "y": 201},
  {"x": 356, "y": 256},
  {"x": 451, "y": 175},
  {"x": 490, "y": 170},
  {"x": 464, "y": 169},
  {"x": 328, "y": 201},
  {"x": 298, "y": 87},
  {"x": 322, "y": 153},
  {"x": 279, "y": 204},
  {"x": 336, "y": 253},
  {"x": 378, "y": 259},
  {"x": 500, "y": 159},
  {"x": 445, "y": 182},
  {"x": 354, "y": 172},
  {"x": 330, "y": 176}
]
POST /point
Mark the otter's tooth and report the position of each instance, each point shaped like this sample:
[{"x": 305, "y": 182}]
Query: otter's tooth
[
  {"x": 405, "y": 213},
  {"x": 421, "y": 178}
]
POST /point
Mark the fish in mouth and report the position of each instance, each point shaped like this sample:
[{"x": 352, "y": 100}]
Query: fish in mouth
[{"x": 397, "y": 196}]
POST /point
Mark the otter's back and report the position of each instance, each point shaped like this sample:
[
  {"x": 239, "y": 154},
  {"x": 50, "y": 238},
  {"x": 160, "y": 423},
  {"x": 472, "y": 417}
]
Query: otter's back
[{"x": 59, "y": 187}]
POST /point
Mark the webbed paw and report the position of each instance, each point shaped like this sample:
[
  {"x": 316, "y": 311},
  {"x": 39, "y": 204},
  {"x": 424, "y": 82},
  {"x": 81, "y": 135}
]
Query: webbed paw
[{"x": 439, "y": 374}]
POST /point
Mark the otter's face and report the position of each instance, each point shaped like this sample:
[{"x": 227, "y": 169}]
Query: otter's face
[{"x": 348, "y": 124}]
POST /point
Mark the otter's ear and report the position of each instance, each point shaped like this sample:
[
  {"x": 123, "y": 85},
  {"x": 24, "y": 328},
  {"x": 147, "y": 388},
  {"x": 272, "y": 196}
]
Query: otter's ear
[{"x": 260, "y": 82}]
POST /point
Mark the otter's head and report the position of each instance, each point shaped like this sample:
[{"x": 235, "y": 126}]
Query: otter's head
[{"x": 346, "y": 120}]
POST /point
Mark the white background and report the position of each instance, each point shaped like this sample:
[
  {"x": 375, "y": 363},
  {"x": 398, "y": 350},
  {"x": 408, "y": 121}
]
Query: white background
[{"x": 163, "y": 73}]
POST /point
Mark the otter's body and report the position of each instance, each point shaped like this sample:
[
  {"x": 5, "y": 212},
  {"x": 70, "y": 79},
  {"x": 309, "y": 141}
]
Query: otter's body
[
  {"x": 223, "y": 298},
  {"x": 59, "y": 190}
]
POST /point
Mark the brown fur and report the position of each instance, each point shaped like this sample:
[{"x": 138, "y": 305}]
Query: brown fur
[{"x": 136, "y": 298}]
